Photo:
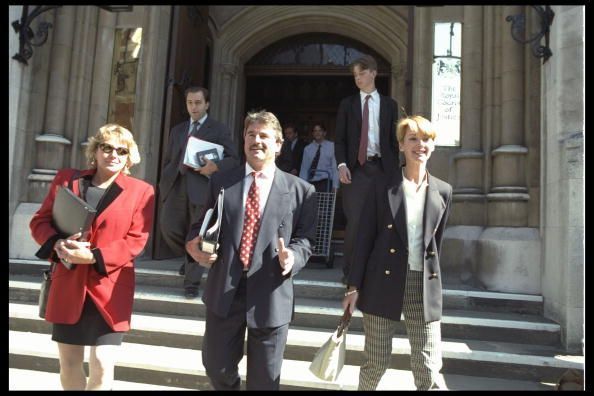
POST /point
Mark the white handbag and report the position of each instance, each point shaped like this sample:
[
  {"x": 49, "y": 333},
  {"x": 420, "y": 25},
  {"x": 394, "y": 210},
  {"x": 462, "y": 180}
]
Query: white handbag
[{"x": 329, "y": 359}]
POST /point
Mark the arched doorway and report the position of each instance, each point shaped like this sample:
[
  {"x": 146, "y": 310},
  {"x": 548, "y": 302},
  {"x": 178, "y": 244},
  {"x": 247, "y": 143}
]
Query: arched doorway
[{"x": 302, "y": 78}]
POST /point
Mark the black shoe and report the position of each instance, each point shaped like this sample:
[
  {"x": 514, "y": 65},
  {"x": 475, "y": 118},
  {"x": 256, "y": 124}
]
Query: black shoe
[
  {"x": 191, "y": 293},
  {"x": 182, "y": 269}
]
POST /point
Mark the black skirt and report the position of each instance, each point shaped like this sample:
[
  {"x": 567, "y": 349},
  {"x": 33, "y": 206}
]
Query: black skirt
[{"x": 91, "y": 329}]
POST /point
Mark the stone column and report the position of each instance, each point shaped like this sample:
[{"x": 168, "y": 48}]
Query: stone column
[
  {"x": 227, "y": 102},
  {"x": 79, "y": 87},
  {"x": 469, "y": 198},
  {"x": 148, "y": 109},
  {"x": 52, "y": 145},
  {"x": 398, "y": 77},
  {"x": 508, "y": 197},
  {"x": 101, "y": 79}
]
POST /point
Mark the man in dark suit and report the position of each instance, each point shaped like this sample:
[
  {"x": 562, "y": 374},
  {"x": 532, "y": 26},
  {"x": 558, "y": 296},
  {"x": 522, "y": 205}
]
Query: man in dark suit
[
  {"x": 182, "y": 188},
  {"x": 365, "y": 146},
  {"x": 291, "y": 154},
  {"x": 267, "y": 233}
]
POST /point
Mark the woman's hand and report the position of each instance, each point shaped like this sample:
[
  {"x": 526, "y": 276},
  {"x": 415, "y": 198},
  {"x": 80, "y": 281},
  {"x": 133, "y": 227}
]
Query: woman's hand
[
  {"x": 73, "y": 251},
  {"x": 350, "y": 299}
]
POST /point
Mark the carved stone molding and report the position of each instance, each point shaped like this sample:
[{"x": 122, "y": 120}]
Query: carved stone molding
[
  {"x": 229, "y": 69},
  {"x": 52, "y": 138}
]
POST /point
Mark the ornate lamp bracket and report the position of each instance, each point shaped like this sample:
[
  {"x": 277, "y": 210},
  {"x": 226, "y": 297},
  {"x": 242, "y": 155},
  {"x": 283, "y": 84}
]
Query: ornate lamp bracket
[
  {"x": 28, "y": 39},
  {"x": 518, "y": 33}
]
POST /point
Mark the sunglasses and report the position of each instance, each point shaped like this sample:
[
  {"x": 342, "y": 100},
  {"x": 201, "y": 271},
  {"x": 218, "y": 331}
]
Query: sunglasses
[{"x": 108, "y": 149}]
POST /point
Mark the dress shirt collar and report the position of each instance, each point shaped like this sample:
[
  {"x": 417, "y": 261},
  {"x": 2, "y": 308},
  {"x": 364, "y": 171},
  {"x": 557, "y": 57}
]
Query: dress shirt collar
[
  {"x": 374, "y": 95},
  {"x": 266, "y": 173},
  {"x": 201, "y": 121},
  {"x": 411, "y": 185}
]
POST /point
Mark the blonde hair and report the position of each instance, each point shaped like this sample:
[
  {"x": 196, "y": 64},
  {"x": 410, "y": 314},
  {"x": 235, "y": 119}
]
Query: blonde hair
[
  {"x": 267, "y": 119},
  {"x": 121, "y": 134},
  {"x": 416, "y": 124}
]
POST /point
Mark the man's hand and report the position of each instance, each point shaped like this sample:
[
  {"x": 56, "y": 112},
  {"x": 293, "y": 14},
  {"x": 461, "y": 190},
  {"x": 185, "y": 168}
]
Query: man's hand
[
  {"x": 286, "y": 258},
  {"x": 208, "y": 169},
  {"x": 202, "y": 258},
  {"x": 344, "y": 175}
]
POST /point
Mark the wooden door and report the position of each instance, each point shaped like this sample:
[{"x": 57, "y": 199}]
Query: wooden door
[{"x": 187, "y": 67}]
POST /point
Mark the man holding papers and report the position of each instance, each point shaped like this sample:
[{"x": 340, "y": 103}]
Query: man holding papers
[
  {"x": 185, "y": 175},
  {"x": 268, "y": 228}
]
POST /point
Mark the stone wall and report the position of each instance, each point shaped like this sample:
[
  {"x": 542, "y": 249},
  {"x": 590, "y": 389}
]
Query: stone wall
[{"x": 563, "y": 195}]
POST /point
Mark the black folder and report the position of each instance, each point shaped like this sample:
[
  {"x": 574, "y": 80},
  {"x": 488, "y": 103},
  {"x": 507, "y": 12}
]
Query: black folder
[
  {"x": 71, "y": 214},
  {"x": 211, "y": 225}
]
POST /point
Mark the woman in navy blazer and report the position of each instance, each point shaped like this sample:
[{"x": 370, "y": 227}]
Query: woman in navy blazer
[
  {"x": 91, "y": 304},
  {"x": 396, "y": 261}
]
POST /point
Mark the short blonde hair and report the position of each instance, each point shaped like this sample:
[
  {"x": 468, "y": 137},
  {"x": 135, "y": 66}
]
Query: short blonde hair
[
  {"x": 266, "y": 118},
  {"x": 417, "y": 124},
  {"x": 121, "y": 134}
]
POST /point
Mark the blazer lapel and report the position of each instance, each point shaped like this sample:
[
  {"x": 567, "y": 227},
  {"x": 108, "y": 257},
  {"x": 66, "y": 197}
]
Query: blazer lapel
[
  {"x": 113, "y": 191},
  {"x": 397, "y": 205},
  {"x": 356, "y": 109},
  {"x": 434, "y": 209},
  {"x": 233, "y": 206}
]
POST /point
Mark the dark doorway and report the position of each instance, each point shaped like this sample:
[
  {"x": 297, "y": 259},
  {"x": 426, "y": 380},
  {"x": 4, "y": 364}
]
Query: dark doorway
[
  {"x": 303, "y": 78},
  {"x": 189, "y": 64},
  {"x": 302, "y": 100}
]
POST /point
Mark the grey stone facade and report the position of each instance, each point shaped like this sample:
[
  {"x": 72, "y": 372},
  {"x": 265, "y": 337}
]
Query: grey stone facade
[{"x": 517, "y": 223}]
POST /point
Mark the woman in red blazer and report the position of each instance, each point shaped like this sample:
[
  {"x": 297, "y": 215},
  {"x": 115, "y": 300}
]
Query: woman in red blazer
[{"x": 91, "y": 303}]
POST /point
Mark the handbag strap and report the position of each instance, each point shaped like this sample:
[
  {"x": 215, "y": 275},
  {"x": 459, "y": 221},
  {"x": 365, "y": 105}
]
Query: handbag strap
[{"x": 345, "y": 320}]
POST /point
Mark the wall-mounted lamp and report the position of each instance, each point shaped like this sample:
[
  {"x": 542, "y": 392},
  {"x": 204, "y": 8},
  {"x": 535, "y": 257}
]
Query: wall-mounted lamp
[
  {"x": 518, "y": 26},
  {"x": 28, "y": 39}
]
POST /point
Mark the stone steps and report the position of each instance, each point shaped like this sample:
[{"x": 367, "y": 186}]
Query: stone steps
[
  {"x": 490, "y": 340},
  {"x": 20, "y": 380},
  {"x": 179, "y": 367},
  {"x": 316, "y": 281},
  {"x": 505, "y": 360},
  {"x": 325, "y": 314}
]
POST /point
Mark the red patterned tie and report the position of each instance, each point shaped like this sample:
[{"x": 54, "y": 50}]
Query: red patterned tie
[
  {"x": 251, "y": 223},
  {"x": 362, "y": 157}
]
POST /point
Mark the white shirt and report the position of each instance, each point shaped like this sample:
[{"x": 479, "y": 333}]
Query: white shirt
[
  {"x": 327, "y": 162},
  {"x": 415, "y": 203},
  {"x": 264, "y": 182},
  {"x": 373, "y": 142}
]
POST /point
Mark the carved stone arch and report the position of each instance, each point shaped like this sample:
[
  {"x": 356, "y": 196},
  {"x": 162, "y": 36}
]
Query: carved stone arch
[{"x": 256, "y": 27}]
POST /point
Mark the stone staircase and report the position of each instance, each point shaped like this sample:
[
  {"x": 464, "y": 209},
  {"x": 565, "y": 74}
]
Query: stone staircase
[{"x": 492, "y": 341}]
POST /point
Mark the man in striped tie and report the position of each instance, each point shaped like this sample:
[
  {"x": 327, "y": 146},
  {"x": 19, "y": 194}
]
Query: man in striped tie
[{"x": 267, "y": 233}]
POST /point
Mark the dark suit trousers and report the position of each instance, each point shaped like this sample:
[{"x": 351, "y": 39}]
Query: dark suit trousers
[
  {"x": 353, "y": 199},
  {"x": 222, "y": 349},
  {"x": 177, "y": 215}
]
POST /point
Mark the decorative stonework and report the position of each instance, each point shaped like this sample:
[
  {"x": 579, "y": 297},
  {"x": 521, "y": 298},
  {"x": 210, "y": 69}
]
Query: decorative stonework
[{"x": 52, "y": 138}]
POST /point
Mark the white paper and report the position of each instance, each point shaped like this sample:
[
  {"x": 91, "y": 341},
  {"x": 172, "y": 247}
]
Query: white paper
[{"x": 198, "y": 148}]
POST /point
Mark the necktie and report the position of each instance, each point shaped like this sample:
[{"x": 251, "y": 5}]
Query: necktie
[
  {"x": 314, "y": 163},
  {"x": 193, "y": 129},
  {"x": 251, "y": 223},
  {"x": 362, "y": 157}
]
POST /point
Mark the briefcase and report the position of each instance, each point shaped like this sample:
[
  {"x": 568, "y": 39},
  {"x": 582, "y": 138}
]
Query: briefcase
[{"x": 71, "y": 214}]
